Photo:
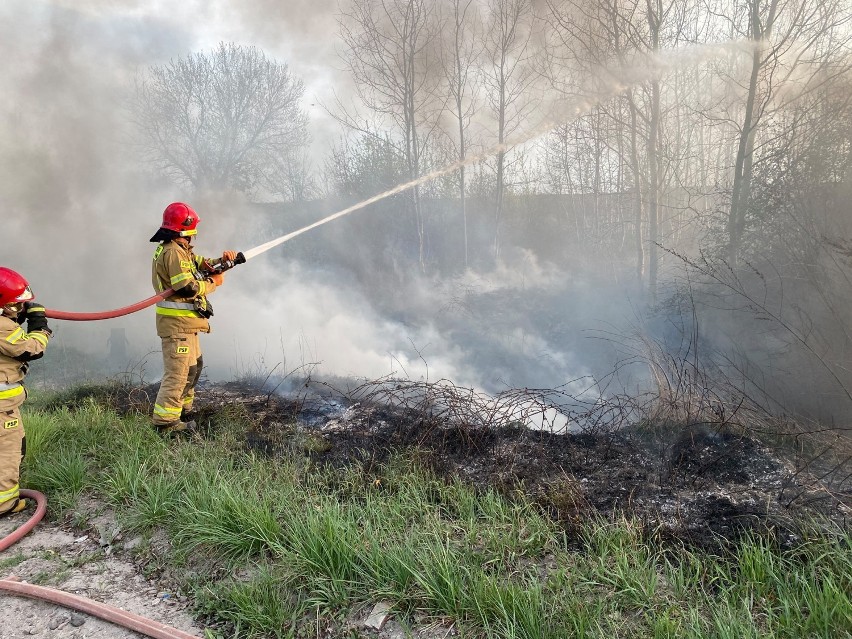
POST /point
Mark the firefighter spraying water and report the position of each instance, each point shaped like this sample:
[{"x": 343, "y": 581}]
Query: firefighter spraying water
[{"x": 183, "y": 280}]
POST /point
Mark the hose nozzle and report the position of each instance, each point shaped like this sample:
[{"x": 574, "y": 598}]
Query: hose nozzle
[{"x": 227, "y": 265}]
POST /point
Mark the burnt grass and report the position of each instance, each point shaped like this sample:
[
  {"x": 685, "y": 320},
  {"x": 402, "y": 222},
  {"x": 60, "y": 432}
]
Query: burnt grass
[{"x": 697, "y": 484}]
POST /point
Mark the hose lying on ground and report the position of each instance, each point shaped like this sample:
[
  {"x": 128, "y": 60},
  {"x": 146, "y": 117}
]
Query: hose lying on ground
[
  {"x": 15, "y": 586},
  {"x": 128, "y": 620},
  {"x": 14, "y": 537}
]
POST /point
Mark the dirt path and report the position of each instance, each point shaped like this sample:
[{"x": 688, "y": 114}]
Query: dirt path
[{"x": 96, "y": 565}]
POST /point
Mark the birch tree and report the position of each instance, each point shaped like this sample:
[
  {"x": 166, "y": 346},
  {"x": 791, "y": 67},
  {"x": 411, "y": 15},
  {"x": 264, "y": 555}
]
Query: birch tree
[
  {"x": 597, "y": 36},
  {"x": 799, "y": 47},
  {"x": 459, "y": 55}
]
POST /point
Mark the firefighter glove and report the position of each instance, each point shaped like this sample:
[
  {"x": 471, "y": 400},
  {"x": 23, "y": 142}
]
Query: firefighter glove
[
  {"x": 229, "y": 256},
  {"x": 33, "y": 308},
  {"x": 217, "y": 279},
  {"x": 36, "y": 320}
]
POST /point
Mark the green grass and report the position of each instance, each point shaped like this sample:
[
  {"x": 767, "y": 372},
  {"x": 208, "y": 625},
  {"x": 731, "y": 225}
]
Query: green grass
[
  {"x": 284, "y": 549},
  {"x": 264, "y": 606}
]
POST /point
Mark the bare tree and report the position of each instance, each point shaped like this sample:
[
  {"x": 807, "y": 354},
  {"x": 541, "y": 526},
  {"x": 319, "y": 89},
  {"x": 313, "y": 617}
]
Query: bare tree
[
  {"x": 288, "y": 175},
  {"x": 654, "y": 15},
  {"x": 217, "y": 119},
  {"x": 590, "y": 38},
  {"x": 459, "y": 56},
  {"x": 389, "y": 45},
  {"x": 361, "y": 166},
  {"x": 796, "y": 43},
  {"x": 646, "y": 127},
  {"x": 507, "y": 80}
]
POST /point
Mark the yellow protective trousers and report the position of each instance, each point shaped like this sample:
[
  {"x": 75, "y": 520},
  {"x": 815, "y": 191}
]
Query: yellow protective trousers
[
  {"x": 12, "y": 445},
  {"x": 182, "y": 364}
]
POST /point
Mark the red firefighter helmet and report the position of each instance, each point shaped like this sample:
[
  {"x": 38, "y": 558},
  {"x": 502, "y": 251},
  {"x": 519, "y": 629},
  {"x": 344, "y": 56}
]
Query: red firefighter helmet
[
  {"x": 13, "y": 287},
  {"x": 180, "y": 217}
]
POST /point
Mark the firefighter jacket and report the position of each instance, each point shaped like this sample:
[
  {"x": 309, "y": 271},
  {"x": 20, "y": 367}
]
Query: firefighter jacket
[
  {"x": 17, "y": 348},
  {"x": 187, "y": 310}
]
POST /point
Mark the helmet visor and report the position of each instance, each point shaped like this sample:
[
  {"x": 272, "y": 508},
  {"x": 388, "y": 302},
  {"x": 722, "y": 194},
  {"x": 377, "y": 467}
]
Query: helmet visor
[{"x": 25, "y": 296}]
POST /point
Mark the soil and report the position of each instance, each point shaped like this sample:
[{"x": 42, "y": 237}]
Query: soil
[
  {"x": 97, "y": 564},
  {"x": 696, "y": 484}
]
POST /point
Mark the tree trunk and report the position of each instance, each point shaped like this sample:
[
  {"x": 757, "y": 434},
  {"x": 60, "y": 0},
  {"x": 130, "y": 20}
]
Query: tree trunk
[
  {"x": 655, "y": 14},
  {"x": 637, "y": 186},
  {"x": 741, "y": 189},
  {"x": 653, "y": 192}
]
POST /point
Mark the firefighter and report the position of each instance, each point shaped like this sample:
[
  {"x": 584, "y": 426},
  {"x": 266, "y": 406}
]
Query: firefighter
[
  {"x": 18, "y": 347},
  {"x": 182, "y": 315}
]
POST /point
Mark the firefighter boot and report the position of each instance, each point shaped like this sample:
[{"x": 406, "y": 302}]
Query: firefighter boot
[
  {"x": 177, "y": 429},
  {"x": 20, "y": 505}
]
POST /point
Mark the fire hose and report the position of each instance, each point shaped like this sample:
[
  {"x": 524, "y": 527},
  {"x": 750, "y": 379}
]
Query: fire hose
[
  {"x": 118, "y": 616},
  {"x": 14, "y": 537},
  {"x": 225, "y": 265}
]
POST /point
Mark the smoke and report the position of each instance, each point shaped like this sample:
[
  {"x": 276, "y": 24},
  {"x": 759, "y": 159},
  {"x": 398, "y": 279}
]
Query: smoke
[
  {"x": 75, "y": 202},
  {"x": 506, "y": 330},
  {"x": 308, "y": 324},
  {"x": 78, "y": 210}
]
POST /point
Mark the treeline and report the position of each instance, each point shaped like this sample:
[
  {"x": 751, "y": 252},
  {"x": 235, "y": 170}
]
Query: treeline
[
  {"x": 720, "y": 119},
  {"x": 750, "y": 112}
]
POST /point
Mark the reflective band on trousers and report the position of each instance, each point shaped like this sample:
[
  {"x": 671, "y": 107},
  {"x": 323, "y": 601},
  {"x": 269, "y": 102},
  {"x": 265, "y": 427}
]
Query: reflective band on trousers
[
  {"x": 10, "y": 390},
  {"x": 13, "y": 493},
  {"x": 162, "y": 410}
]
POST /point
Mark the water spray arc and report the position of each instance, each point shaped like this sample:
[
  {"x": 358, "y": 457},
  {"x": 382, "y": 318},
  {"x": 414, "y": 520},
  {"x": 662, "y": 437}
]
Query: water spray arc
[{"x": 608, "y": 86}]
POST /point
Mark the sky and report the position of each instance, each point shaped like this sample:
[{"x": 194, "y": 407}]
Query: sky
[{"x": 302, "y": 33}]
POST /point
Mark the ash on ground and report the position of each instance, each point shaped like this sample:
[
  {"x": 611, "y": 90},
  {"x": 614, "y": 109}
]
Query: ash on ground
[{"x": 702, "y": 484}]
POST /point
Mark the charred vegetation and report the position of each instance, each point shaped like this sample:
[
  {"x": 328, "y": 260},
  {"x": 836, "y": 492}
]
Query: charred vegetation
[{"x": 687, "y": 464}]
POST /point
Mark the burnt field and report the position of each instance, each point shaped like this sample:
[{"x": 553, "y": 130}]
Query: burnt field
[
  {"x": 698, "y": 483},
  {"x": 702, "y": 484}
]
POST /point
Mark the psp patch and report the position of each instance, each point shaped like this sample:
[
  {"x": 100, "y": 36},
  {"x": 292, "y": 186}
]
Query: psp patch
[
  {"x": 12, "y": 423},
  {"x": 187, "y": 265},
  {"x": 182, "y": 350}
]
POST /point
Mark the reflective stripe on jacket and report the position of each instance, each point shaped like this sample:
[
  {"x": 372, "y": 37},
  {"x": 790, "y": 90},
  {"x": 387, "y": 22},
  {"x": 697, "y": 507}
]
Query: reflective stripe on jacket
[
  {"x": 177, "y": 309},
  {"x": 17, "y": 346},
  {"x": 177, "y": 267},
  {"x": 11, "y": 390}
]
